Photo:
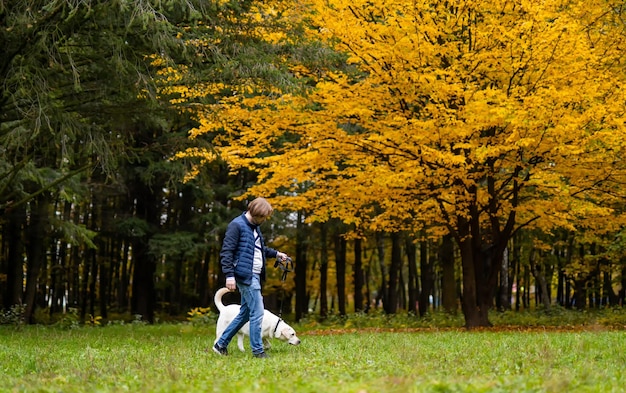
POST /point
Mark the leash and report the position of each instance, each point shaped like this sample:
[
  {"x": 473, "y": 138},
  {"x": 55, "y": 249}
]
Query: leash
[{"x": 286, "y": 266}]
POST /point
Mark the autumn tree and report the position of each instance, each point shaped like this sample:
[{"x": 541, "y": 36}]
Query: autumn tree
[{"x": 468, "y": 118}]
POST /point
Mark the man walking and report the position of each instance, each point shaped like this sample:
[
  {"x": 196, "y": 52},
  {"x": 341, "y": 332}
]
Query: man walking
[{"x": 242, "y": 258}]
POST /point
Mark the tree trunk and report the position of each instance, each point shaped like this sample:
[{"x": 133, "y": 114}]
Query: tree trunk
[
  {"x": 143, "y": 301},
  {"x": 302, "y": 300},
  {"x": 621, "y": 297},
  {"x": 358, "y": 276},
  {"x": 177, "y": 290},
  {"x": 202, "y": 280},
  {"x": 13, "y": 239},
  {"x": 394, "y": 271},
  {"x": 474, "y": 309},
  {"x": 324, "y": 270},
  {"x": 143, "y": 291},
  {"x": 93, "y": 281},
  {"x": 74, "y": 268},
  {"x": 580, "y": 298},
  {"x": 340, "y": 259},
  {"x": 37, "y": 231},
  {"x": 580, "y": 286},
  {"x": 124, "y": 282},
  {"x": 59, "y": 277},
  {"x": 381, "y": 296},
  {"x": 542, "y": 286},
  {"x": 411, "y": 253},
  {"x": 504, "y": 298},
  {"x": 427, "y": 279},
  {"x": 607, "y": 287},
  {"x": 448, "y": 285},
  {"x": 401, "y": 290},
  {"x": 103, "y": 279}
]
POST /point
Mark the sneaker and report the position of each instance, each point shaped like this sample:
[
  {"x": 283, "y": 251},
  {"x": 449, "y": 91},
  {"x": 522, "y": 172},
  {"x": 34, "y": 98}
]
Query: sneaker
[
  {"x": 219, "y": 350},
  {"x": 261, "y": 355}
]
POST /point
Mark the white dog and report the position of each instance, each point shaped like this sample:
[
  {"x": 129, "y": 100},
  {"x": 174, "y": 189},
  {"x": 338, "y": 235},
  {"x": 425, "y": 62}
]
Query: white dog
[{"x": 272, "y": 325}]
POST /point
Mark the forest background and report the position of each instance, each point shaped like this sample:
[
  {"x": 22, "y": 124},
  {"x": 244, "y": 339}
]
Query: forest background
[{"x": 457, "y": 155}]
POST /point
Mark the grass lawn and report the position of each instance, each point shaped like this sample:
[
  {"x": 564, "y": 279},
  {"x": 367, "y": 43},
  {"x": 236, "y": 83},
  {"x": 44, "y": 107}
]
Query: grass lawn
[{"x": 173, "y": 358}]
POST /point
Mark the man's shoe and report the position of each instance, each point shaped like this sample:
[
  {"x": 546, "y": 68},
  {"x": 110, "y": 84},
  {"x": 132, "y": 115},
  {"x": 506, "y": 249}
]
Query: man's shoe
[
  {"x": 219, "y": 350},
  {"x": 261, "y": 355}
]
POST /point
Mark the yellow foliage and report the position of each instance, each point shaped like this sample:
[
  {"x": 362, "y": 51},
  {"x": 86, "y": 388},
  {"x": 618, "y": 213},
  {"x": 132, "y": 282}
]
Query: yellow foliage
[{"x": 508, "y": 107}]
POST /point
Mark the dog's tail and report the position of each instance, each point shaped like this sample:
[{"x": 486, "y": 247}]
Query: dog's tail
[{"x": 217, "y": 299}]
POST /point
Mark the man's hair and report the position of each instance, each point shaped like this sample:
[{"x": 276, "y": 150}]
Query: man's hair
[{"x": 260, "y": 207}]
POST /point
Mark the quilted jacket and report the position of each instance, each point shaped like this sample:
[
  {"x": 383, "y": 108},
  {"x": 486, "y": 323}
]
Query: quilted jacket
[{"x": 237, "y": 254}]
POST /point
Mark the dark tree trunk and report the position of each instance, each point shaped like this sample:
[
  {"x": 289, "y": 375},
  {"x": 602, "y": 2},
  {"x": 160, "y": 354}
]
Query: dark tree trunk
[
  {"x": 143, "y": 292},
  {"x": 340, "y": 260},
  {"x": 609, "y": 294},
  {"x": 427, "y": 279},
  {"x": 593, "y": 282},
  {"x": 517, "y": 271},
  {"x": 13, "y": 239},
  {"x": 580, "y": 293},
  {"x": 401, "y": 291},
  {"x": 540, "y": 278},
  {"x": 93, "y": 281},
  {"x": 469, "y": 241},
  {"x": 59, "y": 277},
  {"x": 143, "y": 301},
  {"x": 448, "y": 285},
  {"x": 358, "y": 276},
  {"x": 84, "y": 286},
  {"x": 63, "y": 272},
  {"x": 124, "y": 282},
  {"x": 504, "y": 294},
  {"x": 381, "y": 296},
  {"x": 568, "y": 278},
  {"x": 76, "y": 259},
  {"x": 475, "y": 313},
  {"x": 103, "y": 260},
  {"x": 526, "y": 285},
  {"x": 177, "y": 298},
  {"x": 181, "y": 211},
  {"x": 324, "y": 270},
  {"x": 36, "y": 251},
  {"x": 103, "y": 279},
  {"x": 391, "y": 306},
  {"x": 580, "y": 286},
  {"x": 411, "y": 253},
  {"x": 202, "y": 282},
  {"x": 368, "y": 292},
  {"x": 621, "y": 297},
  {"x": 560, "y": 286},
  {"x": 302, "y": 299},
  {"x": 560, "y": 289}
]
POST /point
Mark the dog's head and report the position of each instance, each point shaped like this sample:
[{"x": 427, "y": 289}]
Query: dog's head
[
  {"x": 286, "y": 333},
  {"x": 290, "y": 336}
]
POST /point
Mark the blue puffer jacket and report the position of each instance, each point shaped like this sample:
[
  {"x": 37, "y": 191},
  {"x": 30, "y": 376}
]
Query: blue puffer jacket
[{"x": 237, "y": 254}]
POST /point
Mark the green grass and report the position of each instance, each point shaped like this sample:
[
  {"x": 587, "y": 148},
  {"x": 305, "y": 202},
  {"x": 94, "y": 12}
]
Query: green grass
[{"x": 173, "y": 358}]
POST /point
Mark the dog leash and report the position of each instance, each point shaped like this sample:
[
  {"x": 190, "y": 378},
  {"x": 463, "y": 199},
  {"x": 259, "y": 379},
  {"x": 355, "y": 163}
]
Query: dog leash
[{"x": 286, "y": 266}]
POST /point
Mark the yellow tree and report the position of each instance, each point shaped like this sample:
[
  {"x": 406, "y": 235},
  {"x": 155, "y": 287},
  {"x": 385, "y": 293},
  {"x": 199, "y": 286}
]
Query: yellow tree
[{"x": 476, "y": 118}]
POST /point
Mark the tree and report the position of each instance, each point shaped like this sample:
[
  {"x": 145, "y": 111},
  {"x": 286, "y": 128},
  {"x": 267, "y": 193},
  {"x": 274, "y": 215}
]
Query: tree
[
  {"x": 76, "y": 76},
  {"x": 473, "y": 118}
]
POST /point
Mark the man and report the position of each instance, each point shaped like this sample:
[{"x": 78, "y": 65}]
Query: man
[{"x": 243, "y": 258}]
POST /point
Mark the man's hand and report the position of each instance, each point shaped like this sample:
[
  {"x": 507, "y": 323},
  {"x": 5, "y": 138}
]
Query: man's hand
[
  {"x": 231, "y": 284},
  {"x": 281, "y": 255}
]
